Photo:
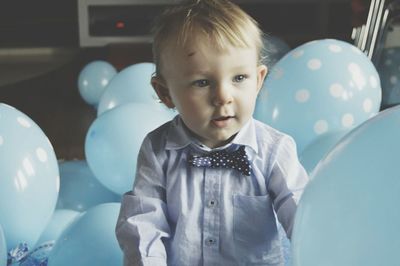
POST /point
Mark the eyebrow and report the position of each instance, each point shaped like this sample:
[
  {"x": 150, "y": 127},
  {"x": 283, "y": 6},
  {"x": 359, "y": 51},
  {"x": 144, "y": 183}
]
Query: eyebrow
[{"x": 191, "y": 54}]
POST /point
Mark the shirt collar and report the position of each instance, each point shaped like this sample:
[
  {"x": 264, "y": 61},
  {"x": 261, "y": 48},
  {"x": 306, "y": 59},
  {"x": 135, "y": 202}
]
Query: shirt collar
[
  {"x": 179, "y": 137},
  {"x": 247, "y": 136}
]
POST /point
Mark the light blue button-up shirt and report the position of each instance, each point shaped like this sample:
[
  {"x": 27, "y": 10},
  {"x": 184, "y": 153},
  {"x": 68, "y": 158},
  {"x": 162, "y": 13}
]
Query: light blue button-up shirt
[{"x": 179, "y": 215}]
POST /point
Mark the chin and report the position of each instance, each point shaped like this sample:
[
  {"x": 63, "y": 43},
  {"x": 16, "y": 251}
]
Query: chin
[{"x": 225, "y": 139}]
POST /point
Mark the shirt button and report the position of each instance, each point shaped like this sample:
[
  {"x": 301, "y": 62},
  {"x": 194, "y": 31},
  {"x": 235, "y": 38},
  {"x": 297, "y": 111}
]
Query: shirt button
[
  {"x": 212, "y": 203},
  {"x": 210, "y": 241}
]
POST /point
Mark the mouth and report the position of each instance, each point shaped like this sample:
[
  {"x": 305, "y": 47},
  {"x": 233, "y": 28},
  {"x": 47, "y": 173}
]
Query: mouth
[{"x": 222, "y": 121}]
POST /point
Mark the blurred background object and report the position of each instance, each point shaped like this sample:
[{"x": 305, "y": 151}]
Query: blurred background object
[
  {"x": 93, "y": 80},
  {"x": 274, "y": 49},
  {"x": 45, "y": 45},
  {"x": 79, "y": 188},
  {"x": 379, "y": 38}
]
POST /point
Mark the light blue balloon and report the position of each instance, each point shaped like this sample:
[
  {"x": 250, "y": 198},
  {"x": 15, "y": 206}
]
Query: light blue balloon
[
  {"x": 113, "y": 141},
  {"x": 29, "y": 178},
  {"x": 89, "y": 240},
  {"x": 389, "y": 71},
  {"x": 3, "y": 248},
  {"x": 317, "y": 149},
  {"x": 80, "y": 189},
  {"x": 93, "y": 80},
  {"x": 132, "y": 84},
  {"x": 321, "y": 86},
  {"x": 349, "y": 213},
  {"x": 60, "y": 220}
]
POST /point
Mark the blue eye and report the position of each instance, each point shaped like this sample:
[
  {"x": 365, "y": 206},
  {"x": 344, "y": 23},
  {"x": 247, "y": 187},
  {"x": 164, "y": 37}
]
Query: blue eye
[
  {"x": 239, "y": 78},
  {"x": 201, "y": 83}
]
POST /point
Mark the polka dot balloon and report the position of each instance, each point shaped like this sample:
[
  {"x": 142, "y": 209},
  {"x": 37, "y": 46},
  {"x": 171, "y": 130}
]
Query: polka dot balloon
[
  {"x": 29, "y": 178},
  {"x": 321, "y": 86},
  {"x": 389, "y": 71}
]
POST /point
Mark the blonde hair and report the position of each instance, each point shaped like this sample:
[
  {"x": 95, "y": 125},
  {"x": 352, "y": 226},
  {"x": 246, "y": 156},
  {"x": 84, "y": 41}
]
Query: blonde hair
[{"x": 220, "y": 21}]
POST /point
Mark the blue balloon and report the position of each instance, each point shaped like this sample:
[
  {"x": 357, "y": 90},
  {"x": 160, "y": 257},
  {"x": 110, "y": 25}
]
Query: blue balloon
[
  {"x": 317, "y": 149},
  {"x": 93, "y": 80},
  {"x": 132, "y": 84},
  {"x": 89, "y": 240},
  {"x": 58, "y": 223},
  {"x": 389, "y": 71},
  {"x": 113, "y": 141},
  {"x": 29, "y": 178},
  {"x": 3, "y": 248},
  {"x": 321, "y": 86},
  {"x": 349, "y": 213},
  {"x": 80, "y": 189}
]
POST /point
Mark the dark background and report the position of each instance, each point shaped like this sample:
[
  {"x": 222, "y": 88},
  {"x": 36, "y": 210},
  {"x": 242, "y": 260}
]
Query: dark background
[
  {"x": 43, "y": 35},
  {"x": 55, "y": 23}
]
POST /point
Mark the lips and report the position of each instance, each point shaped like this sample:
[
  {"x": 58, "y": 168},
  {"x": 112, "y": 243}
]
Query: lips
[
  {"x": 221, "y": 118},
  {"x": 222, "y": 121}
]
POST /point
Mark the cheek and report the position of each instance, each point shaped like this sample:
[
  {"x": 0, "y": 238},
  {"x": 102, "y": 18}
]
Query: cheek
[
  {"x": 188, "y": 105},
  {"x": 193, "y": 99},
  {"x": 248, "y": 95}
]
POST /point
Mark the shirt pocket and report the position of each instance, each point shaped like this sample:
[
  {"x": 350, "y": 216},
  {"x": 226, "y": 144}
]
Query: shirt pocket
[
  {"x": 255, "y": 231},
  {"x": 253, "y": 218}
]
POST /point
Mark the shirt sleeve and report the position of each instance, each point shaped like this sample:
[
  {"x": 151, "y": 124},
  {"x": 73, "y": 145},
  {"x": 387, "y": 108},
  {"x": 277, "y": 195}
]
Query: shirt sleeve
[
  {"x": 287, "y": 182},
  {"x": 142, "y": 222}
]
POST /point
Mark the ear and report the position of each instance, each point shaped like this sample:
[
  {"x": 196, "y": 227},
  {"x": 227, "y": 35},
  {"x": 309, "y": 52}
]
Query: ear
[
  {"x": 262, "y": 71},
  {"x": 162, "y": 91}
]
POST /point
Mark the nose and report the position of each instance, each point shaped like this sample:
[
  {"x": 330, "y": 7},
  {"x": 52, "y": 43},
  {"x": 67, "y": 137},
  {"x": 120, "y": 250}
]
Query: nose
[{"x": 222, "y": 95}]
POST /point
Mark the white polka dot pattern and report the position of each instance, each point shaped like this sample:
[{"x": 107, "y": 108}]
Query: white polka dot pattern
[
  {"x": 314, "y": 64},
  {"x": 335, "y": 48},
  {"x": 347, "y": 120},
  {"x": 321, "y": 126},
  {"x": 367, "y": 105},
  {"x": 41, "y": 154},
  {"x": 298, "y": 53},
  {"x": 336, "y": 90},
  {"x": 302, "y": 96},
  {"x": 373, "y": 82}
]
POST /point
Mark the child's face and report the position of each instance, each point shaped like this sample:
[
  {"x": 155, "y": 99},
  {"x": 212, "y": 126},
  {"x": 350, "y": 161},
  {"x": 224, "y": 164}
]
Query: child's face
[{"x": 214, "y": 91}]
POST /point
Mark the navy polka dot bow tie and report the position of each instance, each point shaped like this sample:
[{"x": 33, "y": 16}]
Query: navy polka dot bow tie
[{"x": 236, "y": 160}]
